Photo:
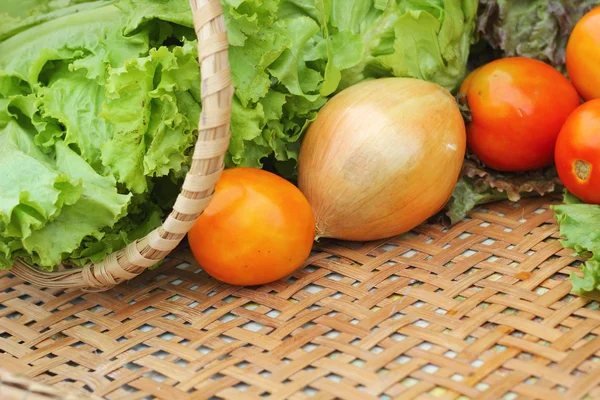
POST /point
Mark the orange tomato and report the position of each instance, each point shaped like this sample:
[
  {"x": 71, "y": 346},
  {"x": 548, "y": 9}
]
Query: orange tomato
[
  {"x": 583, "y": 55},
  {"x": 258, "y": 228},
  {"x": 578, "y": 152},
  {"x": 518, "y": 106}
]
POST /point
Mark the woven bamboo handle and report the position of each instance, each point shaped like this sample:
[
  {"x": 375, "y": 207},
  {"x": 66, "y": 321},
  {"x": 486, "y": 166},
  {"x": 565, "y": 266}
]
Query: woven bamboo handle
[{"x": 206, "y": 168}]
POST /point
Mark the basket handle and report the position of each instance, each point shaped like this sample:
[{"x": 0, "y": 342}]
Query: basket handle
[{"x": 198, "y": 188}]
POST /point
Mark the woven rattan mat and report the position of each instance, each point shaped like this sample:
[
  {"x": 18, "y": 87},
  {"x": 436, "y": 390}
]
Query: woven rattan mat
[{"x": 481, "y": 310}]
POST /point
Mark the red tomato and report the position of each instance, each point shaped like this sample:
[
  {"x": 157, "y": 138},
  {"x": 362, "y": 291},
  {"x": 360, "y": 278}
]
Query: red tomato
[
  {"x": 583, "y": 55},
  {"x": 518, "y": 106},
  {"x": 257, "y": 229},
  {"x": 578, "y": 152}
]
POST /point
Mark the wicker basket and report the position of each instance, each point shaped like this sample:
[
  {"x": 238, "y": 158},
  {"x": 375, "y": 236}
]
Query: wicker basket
[
  {"x": 207, "y": 165},
  {"x": 479, "y": 311}
]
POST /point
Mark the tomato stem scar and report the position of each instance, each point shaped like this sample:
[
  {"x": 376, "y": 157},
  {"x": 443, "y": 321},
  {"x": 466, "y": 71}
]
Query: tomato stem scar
[{"x": 582, "y": 169}]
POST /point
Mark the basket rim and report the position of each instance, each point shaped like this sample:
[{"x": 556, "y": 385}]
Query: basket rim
[{"x": 200, "y": 181}]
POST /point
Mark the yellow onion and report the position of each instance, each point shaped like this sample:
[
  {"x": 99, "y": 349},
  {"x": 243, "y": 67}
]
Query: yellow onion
[{"x": 382, "y": 157}]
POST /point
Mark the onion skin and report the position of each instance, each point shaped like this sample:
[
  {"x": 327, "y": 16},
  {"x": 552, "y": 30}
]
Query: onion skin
[{"x": 381, "y": 158}]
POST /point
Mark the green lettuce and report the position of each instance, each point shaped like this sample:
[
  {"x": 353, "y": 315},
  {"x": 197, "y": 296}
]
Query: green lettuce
[
  {"x": 17, "y": 16},
  {"x": 100, "y": 100},
  {"x": 96, "y": 130},
  {"x": 580, "y": 227}
]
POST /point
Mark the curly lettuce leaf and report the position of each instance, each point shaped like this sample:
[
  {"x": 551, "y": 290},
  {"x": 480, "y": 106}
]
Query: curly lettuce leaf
[
  {"x": 478, "y": 186},
  {"x": 72, "y": 37},
  {"x": 17, "y": 16},
  {"x": 442, "y": 62},
  {"x": 290, "y": 67},
  {"x": 361, "y": 40},
  {"x": 143, "y": 216},
  {"x": 580, "y": 227},
  {"x": 33, "y": 190},
  {"x": 99, "y": 206},
  {"x": 51, "y": 214},
  {"x": 152, "y": 125},
  {"x": 141, "y": 13},
  {"x": 76, "y": 102}
]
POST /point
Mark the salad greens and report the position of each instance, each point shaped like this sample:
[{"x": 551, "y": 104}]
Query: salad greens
[
  {"x": 479, "y": 185},
  {"x": 99, "y": 101},
  {"x": 537, "y": 29},
  {"x": 580, "y": 226}
]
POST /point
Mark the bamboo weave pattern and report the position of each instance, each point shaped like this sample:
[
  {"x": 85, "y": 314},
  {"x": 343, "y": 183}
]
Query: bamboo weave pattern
[{"x": 480, "y": 311}]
